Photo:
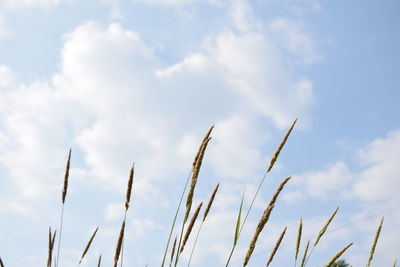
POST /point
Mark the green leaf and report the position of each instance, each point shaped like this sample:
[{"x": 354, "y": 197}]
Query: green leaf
[{"x": 238, "y": 221}]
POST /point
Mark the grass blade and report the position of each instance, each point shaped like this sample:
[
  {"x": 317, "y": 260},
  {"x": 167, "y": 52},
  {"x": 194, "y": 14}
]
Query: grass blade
[{"x": 238, "y": 221}]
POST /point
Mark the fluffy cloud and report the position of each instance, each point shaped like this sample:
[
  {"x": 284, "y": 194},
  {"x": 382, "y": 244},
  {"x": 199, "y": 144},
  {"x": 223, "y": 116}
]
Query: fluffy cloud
[
  {"x": 114, "y": 101},
  {"x": 371, "y": 185}
]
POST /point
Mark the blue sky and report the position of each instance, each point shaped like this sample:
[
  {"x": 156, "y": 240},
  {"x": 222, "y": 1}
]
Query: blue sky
[{"x": 122, "y": 81}]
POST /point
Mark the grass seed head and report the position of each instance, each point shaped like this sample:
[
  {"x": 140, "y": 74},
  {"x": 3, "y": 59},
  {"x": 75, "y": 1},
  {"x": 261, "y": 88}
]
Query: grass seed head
[
  {"x": 276, "y": 247},
  {"x": 334, "y": 258},
  {"x": 264, "y": 220},
  {"x": 66, "y": 175}
]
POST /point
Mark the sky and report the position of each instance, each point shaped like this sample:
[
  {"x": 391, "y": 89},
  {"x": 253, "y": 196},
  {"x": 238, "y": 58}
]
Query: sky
[{"x": 123, "y": 81}]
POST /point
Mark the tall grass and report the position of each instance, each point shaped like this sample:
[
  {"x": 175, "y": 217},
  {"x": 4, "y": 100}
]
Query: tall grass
[{"x": 187, "y": 226}]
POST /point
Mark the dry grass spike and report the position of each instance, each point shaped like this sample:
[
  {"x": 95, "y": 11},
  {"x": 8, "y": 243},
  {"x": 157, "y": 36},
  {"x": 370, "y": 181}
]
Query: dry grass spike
[
  {"x": 88, "y": 244},
  {"x": 52, "y": 238},
  {"x": 323, "y": 230},
  {"x": 372, "y": 252},
  {"x": 276, "y": 154},
  {"x": 275, "y": 249},
  {"x": 201, "y": 146},
  {"x": 298, "y": 240},
  {"x": 334, "y": 258},
  {"x": 190, "y": 227},
  {"x": 207, "y": 210},
  {"x": 303, "y": 260},
  {"x": 264, "y": 220},
  {"x": 129, "y": 188},
  {"x": 66, "y": 175},
  {"x": 119, "y": 244},
  {"x": 173, "y": 251},
  {"x": 195, "y": 175}
]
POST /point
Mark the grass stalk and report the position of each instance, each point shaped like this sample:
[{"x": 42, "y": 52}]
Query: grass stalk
[
  {"x": 378, "y": 232},
  {"x": 207, "y": 210},
  {"x": 303, "y": 260},
  {"x": 119, "y": 244},
  {"x": 322, "y": 232},
  {"x": 271, "y": 165},
  {"x": 88, "y": 245},
  {"x": 173, "y": 252},
  {"x": 194, "y": 172},
  {"x": 52, "y": 238},
  {"x": 334, "y": 258},
  {"x": 276, "y": 247},
  {"x": 127, "y": 202},
  {"x": 263, "y": 220},
  {"x": 63, "y": 196},
  {"x": 190, "y": 227},
  {"x": 298, "y": 241}
]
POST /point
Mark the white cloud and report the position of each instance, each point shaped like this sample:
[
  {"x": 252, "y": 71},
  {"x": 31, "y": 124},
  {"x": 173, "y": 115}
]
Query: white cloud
[
  {"x": 371, "y": 186},
  {"x": 322, "y": 184},
  {"x": 292, "y": 36},
  {"x": 378, "y": 179},
  {"x": 7, "y": 78},
  {"x": 114, "y": 101}
]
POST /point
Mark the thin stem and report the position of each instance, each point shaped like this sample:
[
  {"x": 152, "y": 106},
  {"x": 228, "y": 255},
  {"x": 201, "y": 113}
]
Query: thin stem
[
  {"x": 309, "y": 255},
  {"x": 175, "y": 217},
  {"x": 195, "y": 242},
  {"x": 59, "y": 236},
  {"x": 179, "y": 245}
]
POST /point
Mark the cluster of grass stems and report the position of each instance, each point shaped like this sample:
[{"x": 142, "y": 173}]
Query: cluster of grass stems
[{"x": 186, "y": 226}]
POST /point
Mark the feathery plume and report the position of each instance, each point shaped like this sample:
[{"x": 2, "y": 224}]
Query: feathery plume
[{"x": 264, "y": 220}]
